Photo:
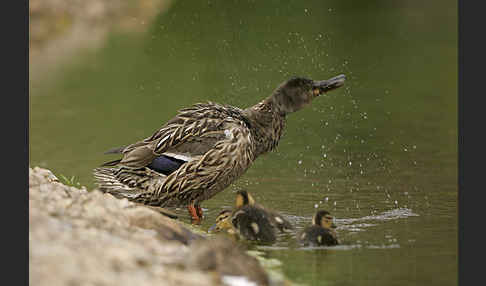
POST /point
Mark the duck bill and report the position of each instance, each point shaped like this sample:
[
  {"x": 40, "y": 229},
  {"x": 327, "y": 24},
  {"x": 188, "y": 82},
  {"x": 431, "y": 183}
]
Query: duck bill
[
  {"x": 213, "y": 228},
  {"x": 330, "y": 84}
]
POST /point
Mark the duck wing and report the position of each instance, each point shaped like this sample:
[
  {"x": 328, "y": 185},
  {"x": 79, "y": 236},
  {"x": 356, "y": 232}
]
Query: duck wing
[
  {"x": 201, "y": 178},
  {"x": 317, "y": 236},
  {"x": 187, "y": 136},
  {"x": 277, "y": 219},
  {"x": 253, "y": 223},
  {"x": 197, "y": 154}
]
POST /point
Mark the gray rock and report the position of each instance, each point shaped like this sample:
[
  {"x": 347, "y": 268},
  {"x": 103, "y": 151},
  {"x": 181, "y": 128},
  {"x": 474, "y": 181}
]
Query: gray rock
[
  {"x": 212, "y": 255},
  {"x": 78, "y": 237}
]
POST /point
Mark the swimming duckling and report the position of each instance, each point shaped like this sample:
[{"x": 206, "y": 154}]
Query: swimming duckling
[
  {"x": 223, "y": 222},
  {"x": 250, "y": 220},
  {"x": 321, "y": 232}
]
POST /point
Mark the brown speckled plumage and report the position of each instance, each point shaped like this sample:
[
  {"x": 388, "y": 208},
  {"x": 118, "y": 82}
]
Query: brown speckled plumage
[{"x": 216, "y": 142}]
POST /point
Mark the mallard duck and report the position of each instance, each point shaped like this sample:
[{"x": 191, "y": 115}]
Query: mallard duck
[
  {"x": 204, "y": 148},
  {"x": 250, "y": 220},
  {"x": 321, "y": 232}
]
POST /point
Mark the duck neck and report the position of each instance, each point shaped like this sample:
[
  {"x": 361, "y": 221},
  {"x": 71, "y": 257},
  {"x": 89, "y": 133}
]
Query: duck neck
[{"x": 267, "y": 124}]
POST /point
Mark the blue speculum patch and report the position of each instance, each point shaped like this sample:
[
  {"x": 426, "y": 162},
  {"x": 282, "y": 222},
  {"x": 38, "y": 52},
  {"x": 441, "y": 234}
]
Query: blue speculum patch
[{"x": 165, "y": 164}]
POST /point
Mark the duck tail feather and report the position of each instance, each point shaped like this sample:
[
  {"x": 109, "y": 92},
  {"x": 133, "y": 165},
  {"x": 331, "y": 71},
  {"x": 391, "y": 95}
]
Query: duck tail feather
[
  {"x": 111, "y": 163},
  {"x": 108, "y": 182},
  {"x": 115, "y": 150},
  {"x": 128, "y": 183}
]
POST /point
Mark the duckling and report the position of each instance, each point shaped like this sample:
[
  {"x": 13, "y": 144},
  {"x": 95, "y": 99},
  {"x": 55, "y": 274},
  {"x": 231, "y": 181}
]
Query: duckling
[
  {"x": 244, "y": 198},
  {"x": 250, "y": 220},
  {"x": 223, "y": 222},
  {"x": 204, "y": 148},
  {"x": 321, "y": 232}
]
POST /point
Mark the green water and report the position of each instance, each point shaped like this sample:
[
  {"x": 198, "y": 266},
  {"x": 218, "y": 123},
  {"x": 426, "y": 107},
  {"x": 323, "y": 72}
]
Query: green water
[{"x": 379, "y": 153}]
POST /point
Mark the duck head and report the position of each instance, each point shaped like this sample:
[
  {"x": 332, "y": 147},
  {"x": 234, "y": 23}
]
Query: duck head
[
  {"x": 298, "y": 92},
  {"x": 223, "y": 222},
  {"x": 243, "y": 198},
  {"x": 324, "y": 219}
]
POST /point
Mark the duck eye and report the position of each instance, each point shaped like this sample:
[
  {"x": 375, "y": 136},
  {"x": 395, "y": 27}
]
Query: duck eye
[{"x": 220, "y": 218}]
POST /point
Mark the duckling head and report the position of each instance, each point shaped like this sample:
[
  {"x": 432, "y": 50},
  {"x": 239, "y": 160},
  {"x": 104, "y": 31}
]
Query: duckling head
[
  {"x": 298, "y": 92},
  {"x": 244, "y": 198},
  {"x": 223, "y": 222},
  {"x": 324, "y": 219}
]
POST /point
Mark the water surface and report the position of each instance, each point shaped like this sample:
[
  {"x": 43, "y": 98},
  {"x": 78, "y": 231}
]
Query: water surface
[{"x": 379, "y": 153}]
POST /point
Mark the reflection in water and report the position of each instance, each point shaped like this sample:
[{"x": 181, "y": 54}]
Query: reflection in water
[{"x": 381, "y": 154}]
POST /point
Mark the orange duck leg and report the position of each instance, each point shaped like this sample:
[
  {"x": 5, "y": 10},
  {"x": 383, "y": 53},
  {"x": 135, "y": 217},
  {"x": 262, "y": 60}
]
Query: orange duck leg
[{"x": 196, "y": 213}]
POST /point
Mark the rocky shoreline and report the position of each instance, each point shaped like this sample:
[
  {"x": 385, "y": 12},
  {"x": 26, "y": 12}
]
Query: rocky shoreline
[{"x": 81, "y": 237}]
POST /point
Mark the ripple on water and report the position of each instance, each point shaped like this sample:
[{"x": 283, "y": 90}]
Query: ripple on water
[
  {"x": 345, "y": 225},
  {"x": 349, "y": 223},
  {"x": 337, "y": 247},
  {"x": 386, "y": 215}
]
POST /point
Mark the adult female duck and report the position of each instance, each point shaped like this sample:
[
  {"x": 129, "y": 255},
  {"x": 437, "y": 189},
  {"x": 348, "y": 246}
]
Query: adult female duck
[{"x": 204, "y": 148}]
